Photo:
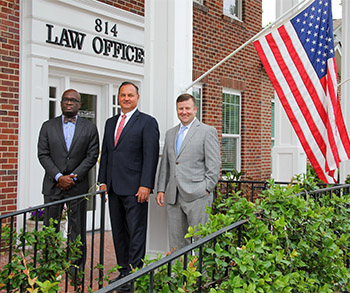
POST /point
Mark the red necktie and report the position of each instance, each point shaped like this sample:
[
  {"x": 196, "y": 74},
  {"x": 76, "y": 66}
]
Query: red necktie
[{"x": 120, "y": 129}]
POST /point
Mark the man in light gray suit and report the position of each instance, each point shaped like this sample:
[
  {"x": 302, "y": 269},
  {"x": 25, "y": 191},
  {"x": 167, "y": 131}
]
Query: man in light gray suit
[{"x": 189, "y": 171}]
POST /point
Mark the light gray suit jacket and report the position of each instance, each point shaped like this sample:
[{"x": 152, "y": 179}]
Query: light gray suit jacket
[{"x": 195, "y": 170}]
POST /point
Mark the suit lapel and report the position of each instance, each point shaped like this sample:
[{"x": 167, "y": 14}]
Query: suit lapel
[
  {"x": 59, "y": 130},
  {"x": 188, "y": 136},
  {"x": 176, "y": 131}
]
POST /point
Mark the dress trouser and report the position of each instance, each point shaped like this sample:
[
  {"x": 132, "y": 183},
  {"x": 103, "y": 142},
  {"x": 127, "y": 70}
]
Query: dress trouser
[
  {"x": 184, "y": 214},
  {"x": 129, "y": 228},
  {"x": 76, "y": 219}
]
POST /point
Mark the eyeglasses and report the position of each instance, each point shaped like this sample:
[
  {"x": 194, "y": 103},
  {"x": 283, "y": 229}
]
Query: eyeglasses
[{"x": 66, "y": 100}]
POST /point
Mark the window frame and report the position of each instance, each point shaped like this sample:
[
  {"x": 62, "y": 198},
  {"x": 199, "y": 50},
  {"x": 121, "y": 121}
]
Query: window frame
[
  {"x": 199, "y": 1},
  {"x": 199, "y": 86},
  {"x": 236, "y": 136}
]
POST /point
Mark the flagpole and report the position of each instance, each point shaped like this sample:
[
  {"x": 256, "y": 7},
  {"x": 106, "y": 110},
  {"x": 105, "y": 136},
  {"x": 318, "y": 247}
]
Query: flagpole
[
  {"x": 302, "y": 5},
  {"x": 346, "y": 80}
]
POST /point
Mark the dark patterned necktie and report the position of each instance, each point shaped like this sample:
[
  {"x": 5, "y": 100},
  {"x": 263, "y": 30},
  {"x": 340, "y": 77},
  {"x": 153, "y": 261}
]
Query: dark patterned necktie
[{"x": 69, "y": 119}]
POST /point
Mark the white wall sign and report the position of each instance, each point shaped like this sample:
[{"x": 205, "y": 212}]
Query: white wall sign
[{"x": 80, "y": 41}]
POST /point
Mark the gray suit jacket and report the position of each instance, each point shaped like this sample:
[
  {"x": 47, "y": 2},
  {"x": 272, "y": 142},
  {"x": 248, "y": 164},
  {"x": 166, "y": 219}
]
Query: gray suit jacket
[
  {"x": 196, "y": 168},
  {"x": 55, "y": 158}
]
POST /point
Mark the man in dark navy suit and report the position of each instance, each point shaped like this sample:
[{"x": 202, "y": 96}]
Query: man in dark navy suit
[
  {"x": 129, "y": 158},
  {"x": 68, "y": 148}
]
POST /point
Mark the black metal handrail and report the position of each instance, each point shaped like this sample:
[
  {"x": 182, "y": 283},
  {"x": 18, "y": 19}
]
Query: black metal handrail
[
  {"x": 175, "y": 255},
  {"x": 253, "y": 187},
  {"x": 16, "y": 218}
]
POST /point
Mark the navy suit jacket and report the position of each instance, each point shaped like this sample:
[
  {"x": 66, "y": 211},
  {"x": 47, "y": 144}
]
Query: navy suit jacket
[
  {"x": 133, "y": 162},
  {"x": 55, "y": 158}
]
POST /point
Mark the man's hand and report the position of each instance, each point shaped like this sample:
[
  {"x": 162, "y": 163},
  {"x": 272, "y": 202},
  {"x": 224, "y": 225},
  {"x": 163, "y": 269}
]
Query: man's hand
[
  {"x": 65, "y": 182},
  {"x": 143, "y": 194},
  {"x": 160, "y": 199},
  {"x": 103, "y": 187}
]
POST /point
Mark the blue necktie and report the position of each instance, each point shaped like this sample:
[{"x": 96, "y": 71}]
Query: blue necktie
[{"x": 180, "y": 138}]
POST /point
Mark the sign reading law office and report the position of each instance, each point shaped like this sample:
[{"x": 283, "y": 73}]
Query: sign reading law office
[{"x": 106, "y": 46}]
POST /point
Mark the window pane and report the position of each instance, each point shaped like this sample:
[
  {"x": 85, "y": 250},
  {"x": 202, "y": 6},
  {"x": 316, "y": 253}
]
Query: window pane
[
  {"x": 197, "y": 94},
  {"x": 115, "y": 105},
  {"x": 230, "y": 7},
  {"x": 229, "y": 153},
  {"x": 88, "y": 107},
  {"x": 230, "y": 114},
  {"x": 52, "y": 109},
  {"x": 52, "y": 92},
  {"x": 52, "y": 101}
]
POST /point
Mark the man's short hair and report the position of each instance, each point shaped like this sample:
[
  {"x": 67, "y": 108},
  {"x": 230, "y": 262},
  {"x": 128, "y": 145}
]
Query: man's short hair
[
  {"x": 71, "y": 90},
  {"x": 186, "y": 97},
  {"x": 126, "y": 83}
]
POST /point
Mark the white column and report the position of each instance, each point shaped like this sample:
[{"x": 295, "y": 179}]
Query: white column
[
  {"x": 168, "y": 70},
  {"x": 288, "y": 156},
  {"x": 33, "y": 102},
  {"x": 345, "y": 73}
]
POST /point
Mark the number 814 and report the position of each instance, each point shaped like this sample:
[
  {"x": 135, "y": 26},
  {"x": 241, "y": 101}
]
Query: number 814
[{"x": 105, "y": 27}]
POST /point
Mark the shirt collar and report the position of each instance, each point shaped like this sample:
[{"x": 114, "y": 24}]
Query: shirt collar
[
  {"x": 189, "y": 125},
  {"x": 129, "y": 114}
]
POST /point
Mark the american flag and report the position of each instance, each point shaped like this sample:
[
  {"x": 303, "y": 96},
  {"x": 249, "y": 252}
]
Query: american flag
[{"x": 298, "y": 57}]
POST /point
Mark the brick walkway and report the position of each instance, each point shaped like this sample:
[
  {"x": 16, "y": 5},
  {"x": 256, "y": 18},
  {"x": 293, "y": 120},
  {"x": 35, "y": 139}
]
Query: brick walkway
[
  {"x": 109, "y": 258},
  {"x": 109, "y": 261}
]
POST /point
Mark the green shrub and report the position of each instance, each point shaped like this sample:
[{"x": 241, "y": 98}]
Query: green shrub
[
  {"x": 290, "y": 244},
  {"x": 41, "y": 271}
]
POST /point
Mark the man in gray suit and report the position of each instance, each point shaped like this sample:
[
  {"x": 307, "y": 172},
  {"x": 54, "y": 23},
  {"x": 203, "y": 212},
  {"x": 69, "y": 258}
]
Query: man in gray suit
[
  {"x": 189, "y": 171},
  {"x": 68, "y": 148}
]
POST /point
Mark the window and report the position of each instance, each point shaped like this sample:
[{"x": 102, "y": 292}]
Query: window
[
  {"x": 197, "y": 94},
  {"x": 52, "y": 101},
  {"x": 233, "y": 8},
  {"x": 231, "y": 117},
  {"x": 115, "y": 105}
]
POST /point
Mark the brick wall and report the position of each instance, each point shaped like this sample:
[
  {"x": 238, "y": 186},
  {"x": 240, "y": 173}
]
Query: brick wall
[
  {"x": 214, "y": 37},
  {"x": 134, "y": 6},
  {"x": 9, "y": 95}
]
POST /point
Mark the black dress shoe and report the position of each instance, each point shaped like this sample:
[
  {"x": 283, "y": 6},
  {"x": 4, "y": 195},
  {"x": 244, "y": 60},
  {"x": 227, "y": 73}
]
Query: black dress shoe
[
  {"x": 116, "y": 279},
  {"x": 124, "y": 288}
]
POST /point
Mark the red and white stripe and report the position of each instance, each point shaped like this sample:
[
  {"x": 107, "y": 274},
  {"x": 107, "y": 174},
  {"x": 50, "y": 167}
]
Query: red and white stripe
[{"x": 311, "y": 104}]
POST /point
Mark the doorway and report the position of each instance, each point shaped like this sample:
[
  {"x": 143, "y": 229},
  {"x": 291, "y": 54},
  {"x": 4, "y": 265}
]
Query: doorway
[{"x": 93, "y": 99}]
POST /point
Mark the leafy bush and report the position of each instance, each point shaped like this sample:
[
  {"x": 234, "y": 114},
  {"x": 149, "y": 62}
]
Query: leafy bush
[
  {"x": 40, "y": 270},
  {"x": 290, "y": 244}
]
